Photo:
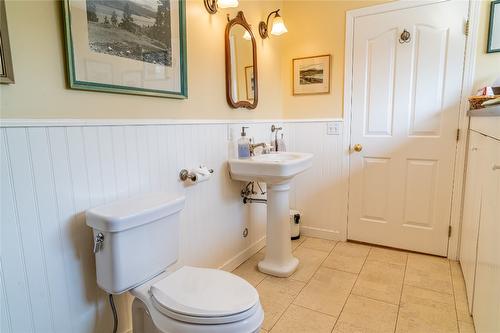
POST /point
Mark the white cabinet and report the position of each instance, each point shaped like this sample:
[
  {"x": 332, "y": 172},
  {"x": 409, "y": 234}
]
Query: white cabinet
[
  {"x": 480, "y": 241},
  {"x": 486, "y": 308},
  {"x": 470, "y": 219}
]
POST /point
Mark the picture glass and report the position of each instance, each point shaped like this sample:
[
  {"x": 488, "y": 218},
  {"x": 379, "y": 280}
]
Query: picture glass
[
  {"x": 129, "y": 46},
  {"x": 311, "y": 75}
]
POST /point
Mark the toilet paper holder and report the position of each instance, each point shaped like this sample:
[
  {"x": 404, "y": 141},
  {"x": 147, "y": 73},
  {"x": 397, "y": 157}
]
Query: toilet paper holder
[{"x": 186, "y": 174}]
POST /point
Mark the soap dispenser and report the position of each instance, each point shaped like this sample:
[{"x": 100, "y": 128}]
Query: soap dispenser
[{"x": 243, "y": 145}]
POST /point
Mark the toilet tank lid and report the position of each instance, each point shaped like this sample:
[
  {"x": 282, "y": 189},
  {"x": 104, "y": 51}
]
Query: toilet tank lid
[{"x": 132, "y": 212}]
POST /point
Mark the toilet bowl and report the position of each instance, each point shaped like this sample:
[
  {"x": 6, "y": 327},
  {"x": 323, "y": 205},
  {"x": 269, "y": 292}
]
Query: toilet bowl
[
  {"x": 196, "y": 300},
  {"x": 136, "y": 240}
]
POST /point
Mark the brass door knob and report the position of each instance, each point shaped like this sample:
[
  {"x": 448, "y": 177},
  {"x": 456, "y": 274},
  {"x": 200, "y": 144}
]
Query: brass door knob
[{"x": 358, "y": 147}]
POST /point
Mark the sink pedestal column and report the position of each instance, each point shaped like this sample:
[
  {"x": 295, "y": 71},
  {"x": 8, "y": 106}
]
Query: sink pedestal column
[{"x": 278, "y": 260}]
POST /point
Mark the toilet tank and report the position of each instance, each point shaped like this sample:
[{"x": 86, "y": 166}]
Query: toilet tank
[{"x": 139, "y": 239}]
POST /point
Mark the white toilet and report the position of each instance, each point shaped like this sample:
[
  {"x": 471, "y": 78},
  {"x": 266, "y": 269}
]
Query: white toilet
[{"x": 135, "y": 241}]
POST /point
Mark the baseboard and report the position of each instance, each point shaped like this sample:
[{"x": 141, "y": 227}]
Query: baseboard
[
  {"x": 241, "y": 257},
  {"x": 321, "y": 233}
]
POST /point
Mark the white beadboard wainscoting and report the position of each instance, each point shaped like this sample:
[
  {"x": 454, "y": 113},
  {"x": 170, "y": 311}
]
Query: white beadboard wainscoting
[{"x": 52, "y": 172}]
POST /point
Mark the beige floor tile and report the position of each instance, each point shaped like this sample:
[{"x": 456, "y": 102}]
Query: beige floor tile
[
  {"x": 463, "y": 311},
  {"x": 297, "y": 242},
  {"x": 276, "y": 294},
  {"x": 362, "y": 314},
  {"x": 387, "y": 255},
  {"x": 347, "y": 257},
  {"x": 381, "y": 281},
  {"x": 466, "y": 327},
  {"x": 249, "y": 271},
  {"x": 460, "y": 294},
  {"x": 458, "y": 280},
  {"x": 428, "y": 272},
  {"x": 318, "y": 244},
  {"x": 309, "y": 261},
  {"x": 423, "y": 310},
  {"x": 263, "y": 330},
  {"x": 327, "y": 291},
  {"x": 297, "y": 319}
]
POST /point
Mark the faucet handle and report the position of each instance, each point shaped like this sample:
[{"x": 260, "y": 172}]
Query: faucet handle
[
  {"x": 274, "y": 128},
  {"x": 267, "y": 148}
]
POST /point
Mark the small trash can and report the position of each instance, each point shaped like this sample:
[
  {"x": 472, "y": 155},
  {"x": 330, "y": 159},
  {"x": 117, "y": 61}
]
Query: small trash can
[{"x": 294, "y": 224}]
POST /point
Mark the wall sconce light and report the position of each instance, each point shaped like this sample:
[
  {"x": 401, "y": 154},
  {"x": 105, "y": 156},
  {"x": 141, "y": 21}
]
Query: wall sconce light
[
  {"x": 278, "y": 27},
  {"x": 213, "y": 5}
]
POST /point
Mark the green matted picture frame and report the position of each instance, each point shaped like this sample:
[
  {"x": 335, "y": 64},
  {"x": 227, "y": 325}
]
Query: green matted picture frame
[
  {"x": 494, "y": 29},
  {"x": 75, "y": 83}
]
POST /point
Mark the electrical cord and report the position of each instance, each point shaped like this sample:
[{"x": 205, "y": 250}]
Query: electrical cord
[{"x": 115, "y": 315}]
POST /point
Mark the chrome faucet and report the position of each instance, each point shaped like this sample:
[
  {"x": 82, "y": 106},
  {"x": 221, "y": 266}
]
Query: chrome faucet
[
  {"x": 275, "y": 130},
  {"x": 253, "y": 146}
]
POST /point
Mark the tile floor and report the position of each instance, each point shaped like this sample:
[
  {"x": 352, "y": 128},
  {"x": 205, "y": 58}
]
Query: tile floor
[{"x": 348, "y": 287}]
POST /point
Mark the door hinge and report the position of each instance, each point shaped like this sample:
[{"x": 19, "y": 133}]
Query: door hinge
[
  {"x": 458, "y": 134},
  {"x": 449, "y": 231},
  {"x": 466, "y": 27}
]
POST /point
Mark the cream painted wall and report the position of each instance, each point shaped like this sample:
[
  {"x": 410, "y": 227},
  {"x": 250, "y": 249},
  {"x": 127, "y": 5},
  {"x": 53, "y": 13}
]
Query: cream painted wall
[
  {"x": 40, "y": 91},
  {"x": 315, "y": 28},
  {"x": 487, "y": 64}
]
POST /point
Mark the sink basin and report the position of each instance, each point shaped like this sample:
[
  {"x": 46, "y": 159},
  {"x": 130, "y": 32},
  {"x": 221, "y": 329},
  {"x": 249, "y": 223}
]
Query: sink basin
[
  {"x": 270, "y": 168},
  {"x": 276, "y": 170}
]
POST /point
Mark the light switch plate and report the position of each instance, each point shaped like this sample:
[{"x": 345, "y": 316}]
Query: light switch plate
[{"x": 333, "y": 128}]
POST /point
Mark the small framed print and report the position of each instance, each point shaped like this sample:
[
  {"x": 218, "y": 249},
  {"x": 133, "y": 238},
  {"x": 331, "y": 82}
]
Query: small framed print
[
  {"x": 250, "y": 82},
  {"x": 128, "y": 46},
  {"x": 494, "y": 31},
  {"x": 311, "y": 75}
]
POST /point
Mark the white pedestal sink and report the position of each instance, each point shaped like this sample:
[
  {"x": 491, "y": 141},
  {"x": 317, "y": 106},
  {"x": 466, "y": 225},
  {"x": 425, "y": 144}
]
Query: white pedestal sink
[{"x": 276, "y": 170}]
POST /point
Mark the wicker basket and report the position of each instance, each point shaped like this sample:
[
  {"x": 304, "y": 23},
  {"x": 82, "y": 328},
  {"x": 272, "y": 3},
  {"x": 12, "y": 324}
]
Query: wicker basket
[{"x": 476, "y": 101}]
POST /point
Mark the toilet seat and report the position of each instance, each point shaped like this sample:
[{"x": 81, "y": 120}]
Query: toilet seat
[
  {"x": 206, "y": 320},
  {"x": 204, "y": 296}
]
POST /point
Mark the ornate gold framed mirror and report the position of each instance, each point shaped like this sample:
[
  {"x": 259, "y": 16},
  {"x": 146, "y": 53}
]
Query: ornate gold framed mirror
[{"x": 241, "y": 64}]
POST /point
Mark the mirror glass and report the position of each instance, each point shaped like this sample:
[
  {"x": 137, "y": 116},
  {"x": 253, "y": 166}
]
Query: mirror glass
[{"x": 241, "y": 76}]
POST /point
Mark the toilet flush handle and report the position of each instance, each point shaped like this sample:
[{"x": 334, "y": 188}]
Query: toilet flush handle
[{"x": 98, "y": 242}]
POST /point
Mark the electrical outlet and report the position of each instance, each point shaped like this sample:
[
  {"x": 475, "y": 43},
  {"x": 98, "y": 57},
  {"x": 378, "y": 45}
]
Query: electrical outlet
[{"x": 333, "y": 128}]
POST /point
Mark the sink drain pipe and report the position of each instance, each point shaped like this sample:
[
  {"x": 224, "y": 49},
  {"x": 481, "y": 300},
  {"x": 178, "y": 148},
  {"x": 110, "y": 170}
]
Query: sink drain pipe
[
  {"x": 247, "y": 193},
  {"x": 254, "y": 200}
]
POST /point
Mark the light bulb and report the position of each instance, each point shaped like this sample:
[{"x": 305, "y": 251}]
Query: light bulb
[
  {"x": 227, "y": 3},
  {"x": 278, "y": 26},
  {"x": 246, "y": 35}
]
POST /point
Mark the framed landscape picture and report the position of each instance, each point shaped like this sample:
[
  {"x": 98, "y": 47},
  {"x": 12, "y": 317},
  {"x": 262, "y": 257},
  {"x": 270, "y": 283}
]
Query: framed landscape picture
[
  {"x": 311, "y": 75},
  {"x": 127, "y": 46},
  {"x": 6, "y": 69},
  {"x": 494, "y": 30}
]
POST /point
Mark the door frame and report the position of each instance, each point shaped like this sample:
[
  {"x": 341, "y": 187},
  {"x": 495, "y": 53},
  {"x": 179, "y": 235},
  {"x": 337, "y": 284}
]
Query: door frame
[{"x": 463, "y": 123}]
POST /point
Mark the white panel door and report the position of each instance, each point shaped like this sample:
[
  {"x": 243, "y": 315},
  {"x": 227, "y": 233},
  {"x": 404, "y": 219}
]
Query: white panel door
[{"x": 405, "y": 107}]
